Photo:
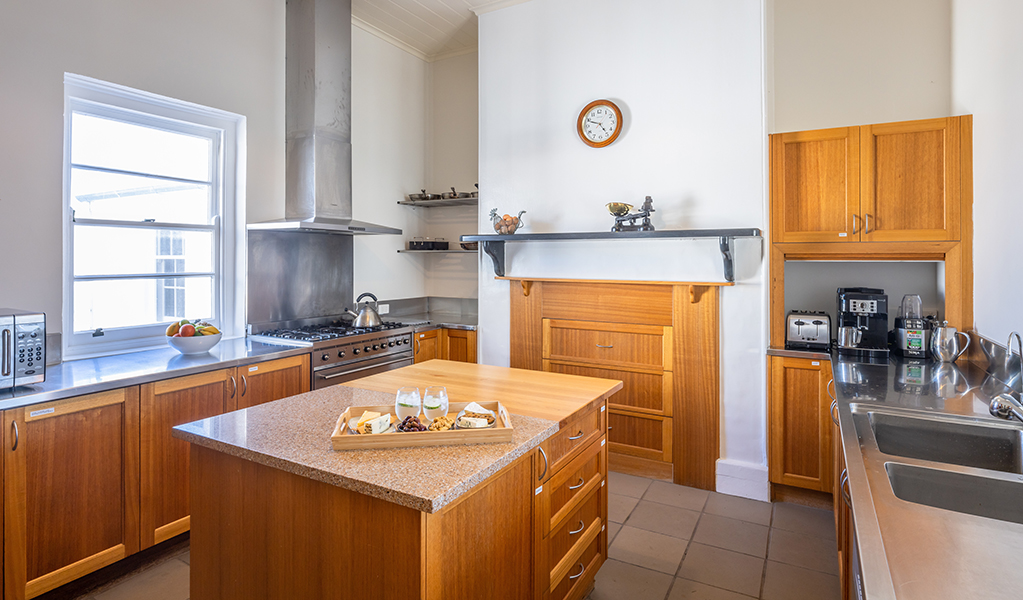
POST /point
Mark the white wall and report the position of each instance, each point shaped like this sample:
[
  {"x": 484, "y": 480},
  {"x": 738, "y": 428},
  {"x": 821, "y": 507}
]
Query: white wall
[
  {"x": 987, "y": 81},
  {"x": 687, "y": 75},
  {"x": 227, "y": 54},
  {"x": 839, "y": 63}
]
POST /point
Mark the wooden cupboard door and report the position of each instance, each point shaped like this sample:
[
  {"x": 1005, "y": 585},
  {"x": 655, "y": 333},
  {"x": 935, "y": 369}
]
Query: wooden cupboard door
[
  {"x": 71, "y": 489},
  {"x": 800, "y": 427},
  {"x": 643, "y": 392},
  {"x": 612, "y": 344},
  {"x": 426, "y": 345},
  {"x": 164, "y": 458},
  {"x": 642, "y": 435},
  {"x": 910, "y": 180},
  {"x": 459, "y": 345},
  {"x": 815, "y": 186},
  {"x": 273, "y": 380}
]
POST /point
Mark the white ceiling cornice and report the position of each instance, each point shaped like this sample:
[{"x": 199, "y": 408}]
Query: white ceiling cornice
[
  {"x": 492, "y": 5},
  {"x": 388, "y": 38}
]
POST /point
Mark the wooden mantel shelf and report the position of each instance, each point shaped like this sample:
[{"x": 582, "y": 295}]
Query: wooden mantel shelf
[
  {"x": 527, "y": 283},
  {"x": 493, "y": 245}
]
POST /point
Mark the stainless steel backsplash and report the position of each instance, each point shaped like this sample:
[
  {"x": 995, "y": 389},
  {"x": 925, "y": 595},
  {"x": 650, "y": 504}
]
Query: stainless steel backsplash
[{"x": 298, "y": 275}]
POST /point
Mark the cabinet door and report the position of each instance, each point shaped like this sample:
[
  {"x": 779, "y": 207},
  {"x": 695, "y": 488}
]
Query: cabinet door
[
  {"x": 164, "y": 404},
  {"x": 637, "y": 434},
  {"x": 815, "y": 186},
  {"x": 273, "y": 380},
  {"x": 425, "y": 345},
  {"x": 800, "y": 428},
  {"x": 910, "y": 180},
  {"x": 70, "y": 489},
  {"x": 459, "y": 345}
]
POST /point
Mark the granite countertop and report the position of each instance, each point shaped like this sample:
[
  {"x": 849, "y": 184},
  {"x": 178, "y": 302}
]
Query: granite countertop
[
  {"x": 86, "y": 376},
  {"x": 293, "y": 435}
]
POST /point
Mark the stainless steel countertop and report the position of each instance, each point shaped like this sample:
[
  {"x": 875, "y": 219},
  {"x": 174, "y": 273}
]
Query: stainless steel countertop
[
  {"x": 910, "y": 551},
  {"x": 86, "y": 376},
  {"x": 814, "y": 354},
  {"x": 436, "y": 320}
]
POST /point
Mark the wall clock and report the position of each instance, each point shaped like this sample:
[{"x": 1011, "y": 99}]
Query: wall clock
[{"x": 599, "y": 123}]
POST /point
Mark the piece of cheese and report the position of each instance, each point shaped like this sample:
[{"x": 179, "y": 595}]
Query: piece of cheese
[
  {"x": 472, "y": 422},
  {"x": 366, "y": 416},
  {"x": 378, "y": 425}
]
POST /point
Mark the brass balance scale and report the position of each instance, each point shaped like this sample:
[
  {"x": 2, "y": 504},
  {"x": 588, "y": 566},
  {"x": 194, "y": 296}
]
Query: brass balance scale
[{"x": 625, "y": 220}]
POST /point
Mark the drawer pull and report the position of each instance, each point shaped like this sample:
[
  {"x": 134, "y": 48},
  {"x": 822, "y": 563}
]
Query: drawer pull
[
  {"x": 575, "y": 437},
  {"x": 580, "y": 574},
  {"x": 14, "y": 426},
  {"x": 581, "y": 483},
  {"x": 600, "y": 346},
  {"x": 544, "y": 455},
  {"x": 234, "y": 386},
  {"x": 833, "y": 411},
  {"x": 581, "y": 527}
]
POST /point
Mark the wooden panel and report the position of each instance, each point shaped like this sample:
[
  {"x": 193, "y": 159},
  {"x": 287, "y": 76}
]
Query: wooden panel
[
  {"x": 575, "y": 435},
  {"x": 570, "y": 486},
  {"x": 641, "y": 392},
  {"x": 646, "y": 436},
  {"x": 610, "y": 302},
  {"x": 799, "y": 429},
  {"x": 525, "y": 325},
  {"x": 459, "y": 344},
  {"x": 962, "y": 295},
  {"x": 426, "y": 345},
  {"x": 70, "y": 491},
  {"x": 571, "y": 532},
  {"x": 164, "y": 458},
  {"x": 273, "y": 380},
  {"x": 613, "y": 344},
  {"x": 260, "y": 533},
  {"x": 910, "y": 180},
  {"x": 815, "y": 185},
  {"x": 640, "y": 467},
  {"x": 695, "y": 445},
  {"x": 579, "y": 575}
]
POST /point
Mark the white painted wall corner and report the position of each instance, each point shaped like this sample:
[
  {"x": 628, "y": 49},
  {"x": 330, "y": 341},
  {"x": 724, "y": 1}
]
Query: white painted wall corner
[{"x": 738, "y": 478}]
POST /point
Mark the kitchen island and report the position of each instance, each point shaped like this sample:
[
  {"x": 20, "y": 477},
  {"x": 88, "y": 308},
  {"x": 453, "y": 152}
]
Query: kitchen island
[{"x": 276, "y": 513}]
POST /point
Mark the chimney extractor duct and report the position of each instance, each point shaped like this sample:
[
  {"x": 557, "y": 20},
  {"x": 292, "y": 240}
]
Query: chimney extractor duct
[{"x": 318, "y": 118}]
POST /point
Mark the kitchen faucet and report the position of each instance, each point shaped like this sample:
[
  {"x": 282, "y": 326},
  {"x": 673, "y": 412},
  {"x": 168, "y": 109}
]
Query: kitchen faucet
[{"x": 1004, "y": 405}]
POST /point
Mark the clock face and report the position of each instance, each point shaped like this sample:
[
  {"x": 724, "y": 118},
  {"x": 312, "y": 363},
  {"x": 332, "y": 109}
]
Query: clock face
[{"x": 600, "y": 123}]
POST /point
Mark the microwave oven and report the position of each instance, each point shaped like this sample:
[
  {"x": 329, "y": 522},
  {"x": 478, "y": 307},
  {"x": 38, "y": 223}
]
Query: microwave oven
[{"x": 22, "y": 348}]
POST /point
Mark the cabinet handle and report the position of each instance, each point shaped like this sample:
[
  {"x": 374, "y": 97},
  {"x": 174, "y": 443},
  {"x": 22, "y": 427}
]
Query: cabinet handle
[
  {"x": 866, "y": 221},
  {"x": 581, "y": 483},
  {"x": 14, "y": 426},
  {"x": 611, "y": 346},
  {"x": 575, "y": 437},
  {"x": 234, "y": 386},
  {"x": 544, "y": 455},
  {"x": 580, "y": 574},
  {"x": 418, "y": 345},
  {"x": 245, "y": 385},
  {"x": 581, "y": 527},
  {"x": 855, "y": 231},
  {"x": 834, "y": 412},
  {"x": 6, "y": 353},
  {"x": 828, "y": 387},
  {"x": 844, "y": 486}
]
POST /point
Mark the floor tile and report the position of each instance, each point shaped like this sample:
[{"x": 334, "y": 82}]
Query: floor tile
[
  {"x": 735, "y": 507},
  {"x": 619, "y": 507},
  {"x": 681, "y": 496},
  {"x": 165, "y": 581},
  {"x": 648, "y": 549},
  {"x": 723, "y": 568},
  {"x": 616, "y": 580},
  {"x": 669, "y": 520},
  {"x": 803, "y": 519},
  {"x": 612, "y": 531},
  {"x": 627, "y": 485},
  {"x": 785, "y": 582},
  {"x": 187, "y": 557},
  {"x": 810, "y": 552},
  {"x": 732, "y": 534},
  {"x": 685, "y": 589}
]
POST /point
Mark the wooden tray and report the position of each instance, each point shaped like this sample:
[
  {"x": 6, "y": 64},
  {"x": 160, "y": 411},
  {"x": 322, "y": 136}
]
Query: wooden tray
[{"x": 343, "y": 439}]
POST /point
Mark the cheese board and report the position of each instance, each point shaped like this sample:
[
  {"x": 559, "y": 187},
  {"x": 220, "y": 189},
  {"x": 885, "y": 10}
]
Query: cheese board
[{"x": 344, "y": 438}]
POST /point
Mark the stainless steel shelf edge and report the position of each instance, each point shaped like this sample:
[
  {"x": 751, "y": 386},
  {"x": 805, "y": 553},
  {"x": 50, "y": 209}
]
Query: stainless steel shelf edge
[
  {"x": 441, "y": 203},
  {"x": 436, "y": 251}
]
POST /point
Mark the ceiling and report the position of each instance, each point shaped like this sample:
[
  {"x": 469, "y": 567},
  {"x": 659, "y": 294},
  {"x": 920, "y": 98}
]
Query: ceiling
[{"x": 430, "y": 29}]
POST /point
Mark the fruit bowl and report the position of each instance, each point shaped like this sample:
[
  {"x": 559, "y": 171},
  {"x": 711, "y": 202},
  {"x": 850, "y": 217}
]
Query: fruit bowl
[{"x": 195, "y": 344}]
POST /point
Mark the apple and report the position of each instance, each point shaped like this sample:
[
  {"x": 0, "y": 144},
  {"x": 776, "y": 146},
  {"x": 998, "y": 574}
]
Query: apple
[
  {"x": 176, "y": 335},
  {"x": 187, "y": 330}
]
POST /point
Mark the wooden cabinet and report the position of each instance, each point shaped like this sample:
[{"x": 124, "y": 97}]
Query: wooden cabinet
[
  {"x": 891, "y": 182},
  {"x": 425, "y": 345},
  {"x": 272, "y": 380},
  {"x": 447, "y": 344},
  {"x": 800, "y": 423},
  {"x": 71, "y": 489}
]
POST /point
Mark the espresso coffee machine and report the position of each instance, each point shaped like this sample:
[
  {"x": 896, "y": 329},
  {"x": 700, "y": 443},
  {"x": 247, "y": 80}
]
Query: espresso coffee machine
[{"x": 863, "y": 322}]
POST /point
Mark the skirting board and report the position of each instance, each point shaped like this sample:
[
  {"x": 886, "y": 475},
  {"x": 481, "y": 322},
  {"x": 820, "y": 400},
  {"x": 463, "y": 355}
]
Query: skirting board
[{"x": 738, "y": 478}]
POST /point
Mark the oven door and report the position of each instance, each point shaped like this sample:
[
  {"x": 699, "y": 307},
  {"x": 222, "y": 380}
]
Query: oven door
[{"x": 352, "y": 371}]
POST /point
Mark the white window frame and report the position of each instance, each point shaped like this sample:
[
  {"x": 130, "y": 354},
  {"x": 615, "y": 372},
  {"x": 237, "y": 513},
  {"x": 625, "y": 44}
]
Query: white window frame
[{"x": 100, "y": 98}]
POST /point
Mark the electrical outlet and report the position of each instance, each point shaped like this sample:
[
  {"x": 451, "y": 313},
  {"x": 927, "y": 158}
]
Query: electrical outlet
[{"x": 383, "y": 309}]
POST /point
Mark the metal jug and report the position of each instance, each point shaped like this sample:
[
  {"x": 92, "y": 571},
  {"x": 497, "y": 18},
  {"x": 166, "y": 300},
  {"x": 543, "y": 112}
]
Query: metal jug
[
  {"x": 368, "y": 316},
  {"x": 945, "y": 343}
]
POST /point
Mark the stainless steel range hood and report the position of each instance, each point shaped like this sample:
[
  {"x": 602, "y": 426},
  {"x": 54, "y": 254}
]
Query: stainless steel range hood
[{"x": 318, "y": 116}]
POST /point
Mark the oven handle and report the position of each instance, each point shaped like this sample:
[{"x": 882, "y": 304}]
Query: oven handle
[
  {"x": 325, "y": 377},
  {"x": 6, "y": 355}
]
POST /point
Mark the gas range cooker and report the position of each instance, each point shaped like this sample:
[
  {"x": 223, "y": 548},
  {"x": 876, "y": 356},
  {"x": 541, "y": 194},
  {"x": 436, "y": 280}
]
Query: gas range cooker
[{"x": 317, "y": 336}]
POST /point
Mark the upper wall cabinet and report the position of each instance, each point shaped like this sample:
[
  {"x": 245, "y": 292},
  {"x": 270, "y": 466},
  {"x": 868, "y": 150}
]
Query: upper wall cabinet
[{"x": 894, "y": 182}]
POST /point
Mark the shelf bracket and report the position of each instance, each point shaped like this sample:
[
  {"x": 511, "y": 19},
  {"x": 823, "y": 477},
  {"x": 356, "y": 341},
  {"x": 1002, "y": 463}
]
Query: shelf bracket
[
  {"x": 726, "y": 257},
  {"x": 526, "y": 286},
  {"x": 495, "y": 250}
]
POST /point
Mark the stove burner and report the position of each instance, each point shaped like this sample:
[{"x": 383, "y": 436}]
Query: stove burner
[{"x": 316, "y": 333}]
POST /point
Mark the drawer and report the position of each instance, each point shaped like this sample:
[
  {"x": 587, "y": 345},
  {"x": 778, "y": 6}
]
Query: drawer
[
  {"x": 641, "y": 392},
  {"x": 567, "y": 538},
  {"x": 603, "y": 302},
  {"x": 576, "y": 580},
  {"x": 646, "y": 436},
  {"x": 612, "y": 344},
  {"x": 570, "y": 487},
  {"x": 563, "y": 445}
]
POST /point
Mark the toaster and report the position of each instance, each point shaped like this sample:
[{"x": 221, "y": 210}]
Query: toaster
[{"x": 808, "y": 330}]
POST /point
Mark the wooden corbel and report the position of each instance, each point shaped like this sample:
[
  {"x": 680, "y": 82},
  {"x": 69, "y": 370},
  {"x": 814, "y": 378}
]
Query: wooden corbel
[{"x": 526, "y": 286}]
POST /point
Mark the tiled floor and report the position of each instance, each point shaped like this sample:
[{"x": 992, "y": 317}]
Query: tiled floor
[{"x": 669, "y": 542}]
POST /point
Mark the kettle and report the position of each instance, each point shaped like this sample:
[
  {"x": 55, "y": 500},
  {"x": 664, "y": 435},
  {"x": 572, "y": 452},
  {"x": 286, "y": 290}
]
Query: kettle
[
  {"x": 945, "y": 343},
  {"x": 368, "y": 316}
]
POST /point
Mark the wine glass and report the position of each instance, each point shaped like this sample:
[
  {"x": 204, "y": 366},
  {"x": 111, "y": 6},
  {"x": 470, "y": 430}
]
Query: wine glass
[
  {"x": 407, "y": 402},
  {"x": 435, "y": 402}
]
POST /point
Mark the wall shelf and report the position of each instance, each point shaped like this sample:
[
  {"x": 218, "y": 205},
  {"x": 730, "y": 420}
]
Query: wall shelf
[
  {"x": 493, "y": 245},
  {"x": 440, "y": 203},
  {"x": 437, "y": 251}
]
